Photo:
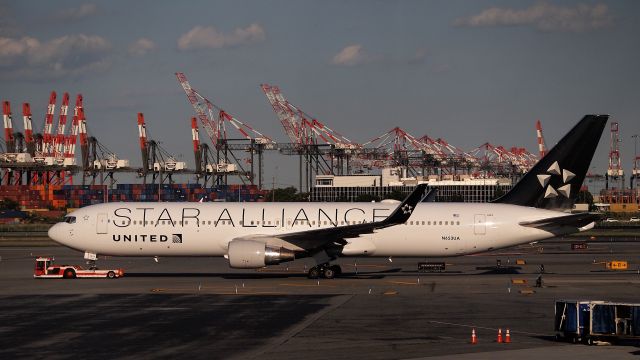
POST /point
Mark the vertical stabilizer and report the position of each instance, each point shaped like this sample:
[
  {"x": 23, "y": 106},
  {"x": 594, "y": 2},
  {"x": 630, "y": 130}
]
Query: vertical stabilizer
[{"x": 554, "y": 182}]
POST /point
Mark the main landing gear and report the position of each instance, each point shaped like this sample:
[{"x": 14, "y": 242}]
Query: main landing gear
[{"x": 324, "y": 270}]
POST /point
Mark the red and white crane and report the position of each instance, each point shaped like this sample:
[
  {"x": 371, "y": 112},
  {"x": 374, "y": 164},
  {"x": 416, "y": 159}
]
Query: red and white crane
[
  {"x": 47, "y": 138},
  {"x": 142, "y": 135},
  {"x": 214, "y": 118},
  {"x": 615, "y": 163},
  {"x": 59, "y": 140},
  {"x": 542, "y": 147},
  {"x": 71, "y": 139},
  {"x": 28, "y": 129},
  {"x": 300, "y": 127},
  {"x": 9, "y": 139}
]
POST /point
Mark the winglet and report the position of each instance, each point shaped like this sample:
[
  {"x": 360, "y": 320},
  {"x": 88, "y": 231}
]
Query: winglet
[{"x": 402, "y": 213}]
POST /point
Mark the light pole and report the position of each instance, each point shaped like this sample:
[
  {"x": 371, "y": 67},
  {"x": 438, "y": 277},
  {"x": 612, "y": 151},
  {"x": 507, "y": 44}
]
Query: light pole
[{"x": 635, "y": 172}]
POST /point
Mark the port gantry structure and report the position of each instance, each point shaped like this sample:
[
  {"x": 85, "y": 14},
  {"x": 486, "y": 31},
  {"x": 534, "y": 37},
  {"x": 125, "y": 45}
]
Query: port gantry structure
[
  {"x": 49, "y": 157},
  {"x": 223, "y": 161}
]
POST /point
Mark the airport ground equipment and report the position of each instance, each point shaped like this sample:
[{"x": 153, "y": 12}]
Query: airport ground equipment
[
  {"x": 47, "y": 269},
  {"x": 426, "y": 266},
  {"x": 589, "y": 321}
]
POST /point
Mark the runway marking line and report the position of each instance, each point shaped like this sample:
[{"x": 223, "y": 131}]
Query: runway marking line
[
  {"x": 306, "y": 285},
  {"x": 402, "y": 282},
  {"x": 365, "y": 266},
  {"x": 219, "y": 291}
]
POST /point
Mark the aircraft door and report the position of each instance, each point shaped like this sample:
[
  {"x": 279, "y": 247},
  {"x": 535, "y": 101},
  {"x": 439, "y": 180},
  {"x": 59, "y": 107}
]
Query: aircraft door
[
  {"x": 479, "y": 224},
  {"x": 101, "y": 223}
]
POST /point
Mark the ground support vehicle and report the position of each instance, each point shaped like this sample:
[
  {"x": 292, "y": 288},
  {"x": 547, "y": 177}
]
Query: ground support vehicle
[
  {"x": 47, "y": 269},
  {"x": 589, "y": 321}
]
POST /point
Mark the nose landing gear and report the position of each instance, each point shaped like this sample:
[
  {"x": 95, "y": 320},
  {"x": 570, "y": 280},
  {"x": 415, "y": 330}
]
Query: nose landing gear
[{"x": 325, "y": 270}]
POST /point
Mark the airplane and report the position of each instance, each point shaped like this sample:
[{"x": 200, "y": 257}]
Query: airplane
[{"x": 255, "y": 235}]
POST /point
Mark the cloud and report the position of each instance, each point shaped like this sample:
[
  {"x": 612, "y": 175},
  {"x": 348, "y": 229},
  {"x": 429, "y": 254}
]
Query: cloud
[
  {"x": 141, "y": 47},
  {"x": 419, "y": 57},
  {"x": 201, "y": 37},
  {"x": 351, "y": 55},
  {"x": 78, "y": 13},
  {"x": 544, "y": 16},
  {"x": 68, "y": 55}
]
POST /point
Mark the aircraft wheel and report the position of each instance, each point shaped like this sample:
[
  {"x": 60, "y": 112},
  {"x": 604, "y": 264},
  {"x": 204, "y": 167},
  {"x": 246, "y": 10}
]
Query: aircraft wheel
[
  {"x": 314, "y": 273},
  {"x": 111, "y": 275},
  {"x": 69, "y": 274},
  {"x": 329, "y": 272}
]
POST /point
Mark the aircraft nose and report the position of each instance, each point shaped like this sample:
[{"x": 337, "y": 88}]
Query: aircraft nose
[{"x": 55, "y": 233}]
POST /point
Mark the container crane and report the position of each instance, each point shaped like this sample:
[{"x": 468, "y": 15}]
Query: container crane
[
  {"x": 9, "y": 139},
  {"x": 542, "y": 147},
  {"x": 47, "y": 138},
  {"x": 214, "y": 119},
  {"x": 28, "y": 129},
  {"x": 155, "y": 159},
  {"x": 322, "y": 149},
  {"x": 59, "y": 139}
]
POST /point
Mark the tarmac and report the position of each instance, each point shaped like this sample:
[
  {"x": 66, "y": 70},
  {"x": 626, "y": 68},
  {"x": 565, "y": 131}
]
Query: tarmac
[{"x": 379, "y": 309}]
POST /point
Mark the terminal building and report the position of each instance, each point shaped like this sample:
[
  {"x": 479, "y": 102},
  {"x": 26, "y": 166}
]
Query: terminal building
[{"x": 458, "y": 188}]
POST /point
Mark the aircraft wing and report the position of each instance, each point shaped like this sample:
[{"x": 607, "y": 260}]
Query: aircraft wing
[
  {"x": 573, "y": 220},
  {"x": 318, "y": 238}
]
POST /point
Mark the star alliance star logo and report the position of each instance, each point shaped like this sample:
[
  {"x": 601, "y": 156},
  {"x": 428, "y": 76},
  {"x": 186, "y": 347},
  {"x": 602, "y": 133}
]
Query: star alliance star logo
[
  {"x": 406, "y": 209},
  {"x": 564, "y": 190}
]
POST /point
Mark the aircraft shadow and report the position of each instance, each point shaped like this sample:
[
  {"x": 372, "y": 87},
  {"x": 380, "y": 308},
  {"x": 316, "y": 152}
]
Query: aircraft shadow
[{"x": 259, "y": 275}]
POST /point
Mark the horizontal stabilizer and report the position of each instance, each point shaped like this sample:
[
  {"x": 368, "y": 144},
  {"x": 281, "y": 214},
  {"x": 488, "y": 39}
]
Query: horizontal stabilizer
[{"x": 573, "y": 220}]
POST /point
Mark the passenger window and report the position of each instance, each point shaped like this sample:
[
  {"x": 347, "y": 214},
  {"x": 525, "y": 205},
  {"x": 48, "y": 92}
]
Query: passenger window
[
  {"x": 457, "y": 222},
  {"x": 440, "y": 223},
  {"x": 446, "y": 223}
]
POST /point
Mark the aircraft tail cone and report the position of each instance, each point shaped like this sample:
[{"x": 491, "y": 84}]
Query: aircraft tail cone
[
  {"x": 474, "y": 338},
  {"x": 499, "y": 340}
]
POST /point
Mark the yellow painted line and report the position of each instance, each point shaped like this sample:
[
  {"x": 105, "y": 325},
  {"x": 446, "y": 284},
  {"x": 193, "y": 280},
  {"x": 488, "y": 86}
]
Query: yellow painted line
[
  {"x": 365, "y": 266},
  {"x": 402, "y": 282},
  {"x": 225, "y": 291},
  {"x": 291, "y": 270},
  {"x": 306, "y": 285}
]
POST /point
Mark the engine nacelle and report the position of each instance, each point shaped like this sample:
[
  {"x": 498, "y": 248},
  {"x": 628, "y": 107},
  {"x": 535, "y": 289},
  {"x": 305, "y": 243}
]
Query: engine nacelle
[{"x": 250, "y": 254}]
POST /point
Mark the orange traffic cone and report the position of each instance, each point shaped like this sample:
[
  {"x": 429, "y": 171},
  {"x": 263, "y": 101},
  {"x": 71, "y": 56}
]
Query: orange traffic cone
[
  {"x": 507, "y": 337},
  {"x": 474, "y": 339},
  {"x": 499, "y": 336}
]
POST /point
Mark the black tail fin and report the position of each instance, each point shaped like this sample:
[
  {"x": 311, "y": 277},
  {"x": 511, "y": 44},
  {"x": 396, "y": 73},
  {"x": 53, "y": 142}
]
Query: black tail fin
[{"x": 554, "y": 182}]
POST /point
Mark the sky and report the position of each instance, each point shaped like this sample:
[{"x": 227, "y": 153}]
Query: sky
[{"x": 469, "y": 72}]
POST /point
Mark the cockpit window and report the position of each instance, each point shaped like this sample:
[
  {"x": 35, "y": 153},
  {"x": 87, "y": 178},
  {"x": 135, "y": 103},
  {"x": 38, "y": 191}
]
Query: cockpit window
[{"x": 70, "y": 219}]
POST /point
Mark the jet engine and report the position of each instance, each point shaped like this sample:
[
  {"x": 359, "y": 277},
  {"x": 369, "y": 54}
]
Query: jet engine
[{"x": 250, "y": 254}]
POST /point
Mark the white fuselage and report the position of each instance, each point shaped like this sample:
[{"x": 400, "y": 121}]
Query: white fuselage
[{"x": 205, "y": 229}]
